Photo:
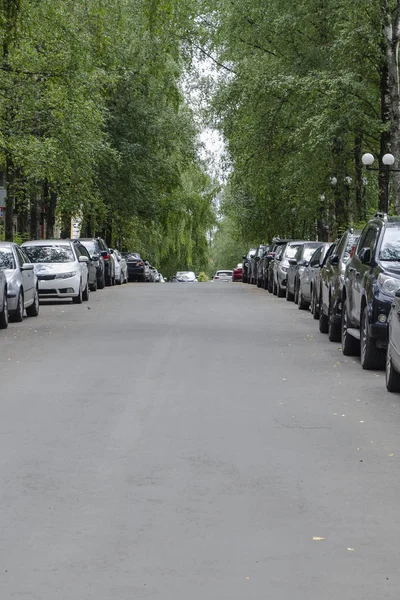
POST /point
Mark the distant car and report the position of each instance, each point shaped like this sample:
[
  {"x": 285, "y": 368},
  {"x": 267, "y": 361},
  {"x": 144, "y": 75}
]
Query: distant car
[
  {"x": 121, "y": 268},
  {"x": 274, "y": 262},
  {"x": 246, "y": 264},
  {"x": 135, "y": 263},
  {"x": 307, "y": 277},
  {"x": 185, "y": 277},
  {"x": 237, "y": 272},
  {"x": 100, "y": 255},
  {"x": 3, "y": 300},
  {"x": 281, "y": 270},
  {"x": 268, "y": 270},
  {"x": 60, "y": 272},
  {"x": 22, "y": 283},
  {"x": 253, "y": 264},
  {"x": 296, "y": 267},
  {"x": 223, "y": 276}
]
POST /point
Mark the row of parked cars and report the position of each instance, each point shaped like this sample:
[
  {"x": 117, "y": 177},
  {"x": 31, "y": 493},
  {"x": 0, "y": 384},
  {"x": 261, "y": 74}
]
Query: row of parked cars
[
  {"x": 351, "y": 286},
  {"x": 62, "y": 269}
]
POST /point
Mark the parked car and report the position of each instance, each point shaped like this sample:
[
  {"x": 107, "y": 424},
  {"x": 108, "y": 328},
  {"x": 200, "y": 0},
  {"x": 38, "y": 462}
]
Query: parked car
[
  {"x": 100, "y": 257},
  {"x": 316, "y": 283},
  {"x": 136, "y": 267},
  {"x": 81, "y": 250},
  {"x": 60, "y": 272},
  {"x": 268, "y": 270},
  {"x": 330, "y": 290},
  {"x": 185, "y": 277},
  {"x": 372, "y": 277},
  {"x": 223, "y": 276},
  {"x": 156, "y": 275},
  {"x": 273, "y": 269},
  {"x": 282, "y": 266},
  {"x": 246, "y": 264},
  {"x": 3, "y": 300},
  {"x": 307, "y": 277},
  {"x": 22, "y": 283},
  {"x": 121, "y": 267},
  {"x": 254, "y": 260},
  {"x": 147, "y": 271},
  {"x": 297, "y": 266},
  {"x": 237, "y": 272},
  {"x": 393, "y": 350}
]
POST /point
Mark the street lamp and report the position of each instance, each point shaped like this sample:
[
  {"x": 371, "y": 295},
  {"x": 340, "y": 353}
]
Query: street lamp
[{"x": 387, "y": 161}]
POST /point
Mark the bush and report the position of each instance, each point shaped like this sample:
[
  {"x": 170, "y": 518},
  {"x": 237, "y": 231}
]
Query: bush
[{"x": 203, "y": 277}]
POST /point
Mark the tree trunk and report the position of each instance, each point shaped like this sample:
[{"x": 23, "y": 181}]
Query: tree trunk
[
  {"x": 51, "y": 205},
  {"x": 391, "y": 91},
  {"x": 359, "y": 182},
  {"x": 10, "y": 199}
]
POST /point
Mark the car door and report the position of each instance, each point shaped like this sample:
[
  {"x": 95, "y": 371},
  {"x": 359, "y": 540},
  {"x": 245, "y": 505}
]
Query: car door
[
  {"x": 359, "y": 269},
  {"x": 27, "y": 277},
  {"x": 90, "y": 266},
  {"x": 83, "y": 267}
]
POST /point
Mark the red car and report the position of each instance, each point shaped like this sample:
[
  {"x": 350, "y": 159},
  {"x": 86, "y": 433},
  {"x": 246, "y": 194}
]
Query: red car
[{"x": 237, "y": 272}]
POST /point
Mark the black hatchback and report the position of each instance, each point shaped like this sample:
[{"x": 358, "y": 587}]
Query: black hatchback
[
  {"x": 136, "y": 266},
  {"x": 371, "y": 279}
]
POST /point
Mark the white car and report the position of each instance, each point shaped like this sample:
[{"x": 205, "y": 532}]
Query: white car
[
  {"x": 61, "y": 274},
  {"x": 185, "y": 277},
  {"x": 121, "y": 267},
  {"x": 22, "y": 284},
  {"x": 223, "y": 276}
]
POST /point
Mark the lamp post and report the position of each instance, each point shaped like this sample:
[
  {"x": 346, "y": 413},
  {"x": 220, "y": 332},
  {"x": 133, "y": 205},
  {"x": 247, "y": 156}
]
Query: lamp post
[{"x": 387, "y": 161}]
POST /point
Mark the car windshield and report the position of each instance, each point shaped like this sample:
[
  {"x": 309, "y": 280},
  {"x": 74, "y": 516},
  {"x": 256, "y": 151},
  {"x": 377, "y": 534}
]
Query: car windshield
[
  {"x": 223, "y": 273},
  {"x": 186, "y": 275},
  {"x": 290, "y": 251},
  {"x": 50, "y": 254},
  {"x": 6, "y": 259},
  {"x": 390, "y": 249},
  {"x": 131, "y": 256},
  {"x": 308, "y": 252},
  {"x": 91, "y": 246}
]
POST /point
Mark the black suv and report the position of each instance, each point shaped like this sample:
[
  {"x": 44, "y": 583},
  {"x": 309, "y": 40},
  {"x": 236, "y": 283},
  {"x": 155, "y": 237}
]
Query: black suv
[
  {"x": 101, "y": 257},
  {"x": 331, "y": 286},
  {"x": 254, "y": 260},
  {"x": 372, "y": 277},
  {"x": 246, "y": 265}
]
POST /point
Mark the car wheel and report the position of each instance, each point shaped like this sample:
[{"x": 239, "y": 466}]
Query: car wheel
[
  {"x": 33, "y": 309},
  {"x": 350, "y": 345},
  {"x": 101, "y": 283},
  {"x": 280, "y": 292},
  {"x": 93, "y": 287},
  {"x": 314, "y": 306},
  {"x": 274, "y": 289},
  {"x": 302, "y": 304},
  {"x": 4, "y": 312},
  {"x": 85, "y": 295},
  {"x": 323, "y": 321},
  {"x": 296, "y": 292},
  {"x": 119, "y": 281},
  {"x": 18, "y": 315},
  {"x": 334, "y": 331},
  {"x": 371, "y": 356},
  {"x": 392, "y": 376},
  {"x": 78, "y": 299},
  {"x": 289, "y": 295}
]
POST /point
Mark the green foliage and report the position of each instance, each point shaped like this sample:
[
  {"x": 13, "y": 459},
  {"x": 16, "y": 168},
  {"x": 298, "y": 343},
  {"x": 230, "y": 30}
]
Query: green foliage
[{"x": 203, "y": 277}]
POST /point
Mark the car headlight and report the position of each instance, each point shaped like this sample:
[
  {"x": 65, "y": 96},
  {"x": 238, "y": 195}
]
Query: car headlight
[
  {"x": 387, "y": 284},
  {"x": 66, "y": 275}
]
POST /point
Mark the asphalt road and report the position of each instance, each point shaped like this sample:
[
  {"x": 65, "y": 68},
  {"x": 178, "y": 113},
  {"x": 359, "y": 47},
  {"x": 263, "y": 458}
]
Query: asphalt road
[{"x": 188, "y": 442}]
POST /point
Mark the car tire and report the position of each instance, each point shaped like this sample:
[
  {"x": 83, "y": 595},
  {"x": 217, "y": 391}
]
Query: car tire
[
  {"x": 18, "y": 315},
  {"x": 4, "y": 312},
  {"x": 280, "y": 292},
  {"x": 93, "y": 287},
  {"x": 302, "y": 304},
  {"x": 101, "y": 283},
  {"x": 372, "y": 358},
  {"x": 334, "y": 329},
  {"x": 85, "y": 295},
  {"x": 274, "y": 289},
  {"x": 33, "y": 309},
  {"x": 350, "y": 345},
  {"x": 296, "y": 292},
  {"x": 323, "y": 321},
  {"x": 289, "y": 295},
  {"x": 78, "y": 299},
  {"x": 392, "y": 376}
]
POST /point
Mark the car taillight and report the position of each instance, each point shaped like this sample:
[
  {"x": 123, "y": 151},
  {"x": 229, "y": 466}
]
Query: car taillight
[
  {"x": 353, "y": 249},
  {"x": 106, "y": 256},
  {"x": 216, "y": 277},
  {"x": 140, "y": 264}
]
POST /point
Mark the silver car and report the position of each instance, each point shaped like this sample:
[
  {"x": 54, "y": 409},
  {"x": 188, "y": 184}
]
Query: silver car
[
  {"x": 121, "y": 267},
  {"x": 3, "y": 300},
  {"x": 60, "y": 271},
  {"x": 22, "y": 284}
]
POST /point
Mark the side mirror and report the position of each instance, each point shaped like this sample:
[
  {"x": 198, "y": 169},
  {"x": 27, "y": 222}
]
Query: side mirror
[
  {"x": 334, "y": 260},
  {"x": 27, "y": 267},
  {"x": 83, "y": 259},
  {"x": 302, "y": 263},
  {"x": 111, "y": 251},
  {"x": 365, "y": 256},
  {"x": 257, "y": 258},
  {"x": 292, "y": 261},
  {"x": 315, "y": 264},
  {"x": 244, "y": 256}
]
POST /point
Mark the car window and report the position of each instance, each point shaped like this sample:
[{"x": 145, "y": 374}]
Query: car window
[
  {"x": 228, "y": 273},
  {"x": 131, "y": 256},
  {"x": 342, "y": 244},
  {"x": 368, "y": 239},
  {"x": 20, "y": 257},
  {"x": 50, "y": 254},
  {"x": 290, "y": 251},
  {"x": 308, "y": 252},
  {"x": 317, "y": 255},
  {"x": 83, "y": 251},
  {"x": 390, "y": 248},
  {"x": 7, "y": 259},
  {"x": 299, "y": 252}
]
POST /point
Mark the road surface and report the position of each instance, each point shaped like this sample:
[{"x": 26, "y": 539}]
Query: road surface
[{"x": 193, "y": 442}]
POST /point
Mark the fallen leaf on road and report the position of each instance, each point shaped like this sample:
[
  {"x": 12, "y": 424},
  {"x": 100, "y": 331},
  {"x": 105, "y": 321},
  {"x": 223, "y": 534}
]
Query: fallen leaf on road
[
  {"x": 350, "y": 549},
  {"x": 390, "y": 454},
  {"x": 318, "y": 539},
  {"x": 361, "y": 421}
]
